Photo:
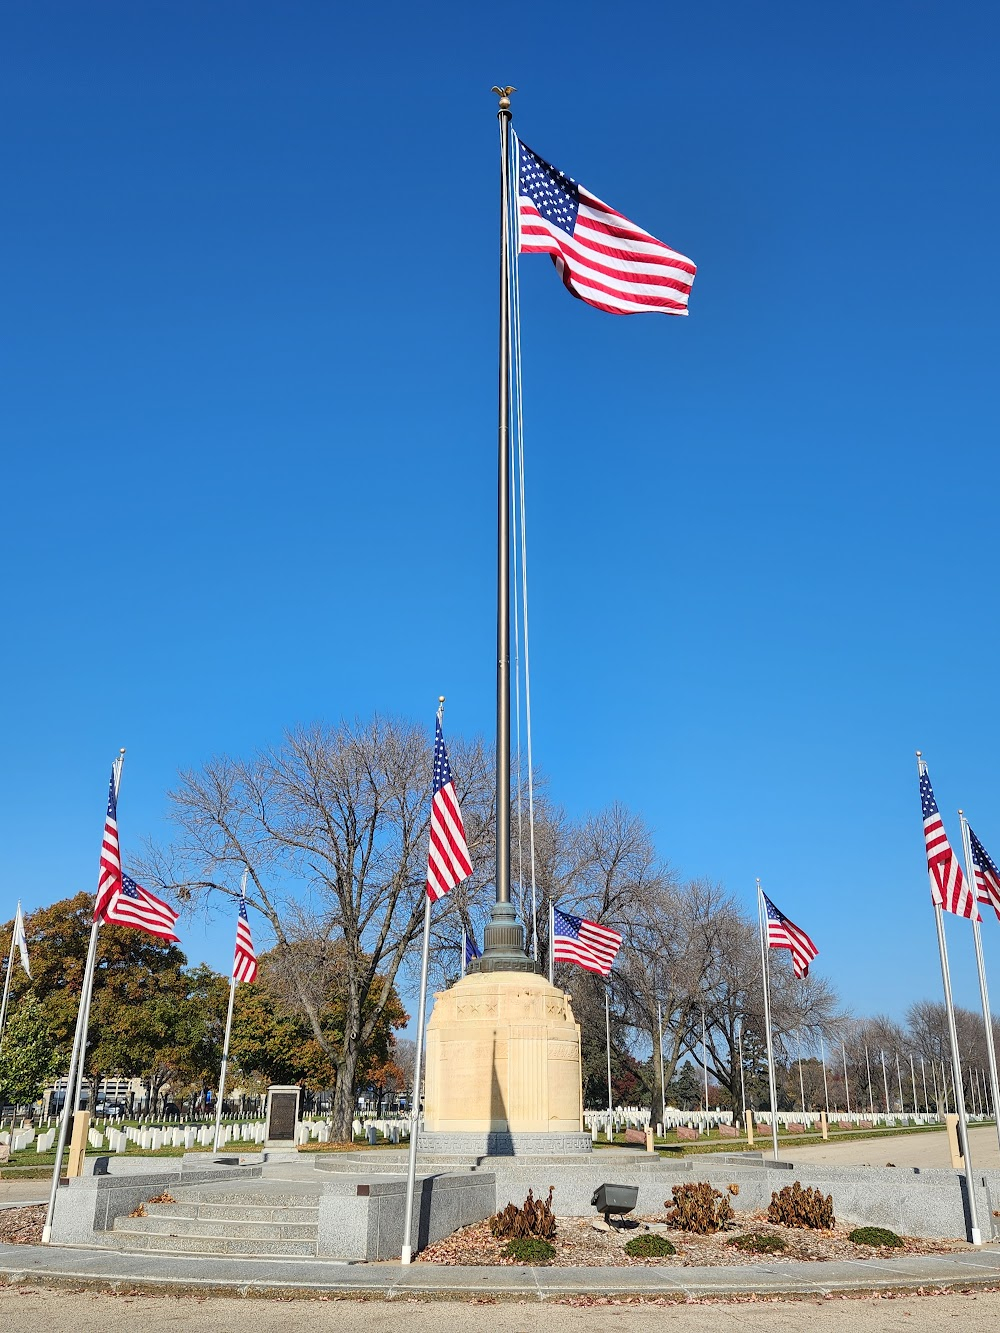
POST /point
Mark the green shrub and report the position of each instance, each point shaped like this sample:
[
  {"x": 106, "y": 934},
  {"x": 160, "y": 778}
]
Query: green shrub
[
  {"x": 536, "y": 1218},
  {"x": 649, "y": 1246},
  {"x": 530, "y": 1250},
  {"x": 698, "y": 1208},
  {"x": 759, "y": 1244},
  {"x": 797, "y": 1207},
  {"x": 877, "y": 1236}
]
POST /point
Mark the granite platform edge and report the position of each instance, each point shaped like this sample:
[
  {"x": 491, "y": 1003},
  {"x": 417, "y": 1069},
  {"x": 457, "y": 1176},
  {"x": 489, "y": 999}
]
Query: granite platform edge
[{"x": 50, "y": 1266}]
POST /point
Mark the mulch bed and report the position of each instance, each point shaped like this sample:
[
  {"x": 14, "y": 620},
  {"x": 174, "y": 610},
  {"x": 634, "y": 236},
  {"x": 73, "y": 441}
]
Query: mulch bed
[
  {"x": 22, "y": 1226},
  {"x": 579, "y": 1244}
]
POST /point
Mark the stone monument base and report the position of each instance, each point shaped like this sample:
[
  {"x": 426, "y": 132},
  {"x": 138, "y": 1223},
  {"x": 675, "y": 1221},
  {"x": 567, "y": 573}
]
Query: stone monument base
[
  {"x": 503, "y": 1068},
  {"x": 502, "y": 1143}
]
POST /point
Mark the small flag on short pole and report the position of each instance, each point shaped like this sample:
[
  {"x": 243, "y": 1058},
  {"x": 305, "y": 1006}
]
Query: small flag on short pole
[
  {"x": 602, "y": 257},
  {"x": 587, "y": 943},
  {"x": 948, "y": 887},
  {"x": 785, "y": 934}
]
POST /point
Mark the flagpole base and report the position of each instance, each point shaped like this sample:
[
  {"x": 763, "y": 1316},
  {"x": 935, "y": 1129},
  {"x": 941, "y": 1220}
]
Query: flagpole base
[
  {"x": 503, "y": 945},
  {"x": 407, "y": 1256}
]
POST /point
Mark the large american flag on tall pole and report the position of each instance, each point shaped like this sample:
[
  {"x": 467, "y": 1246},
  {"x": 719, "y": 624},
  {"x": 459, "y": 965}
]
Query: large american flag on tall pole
[
  {"x": 109, "y": 877},
  {"x": 244, "y": 959},
  {"x": 448, "y": 860},
  {"x": 986, "y": 873},
  {"x": 948, "y": 887},
  {"x": 135, "y": 906},
  {"x": 785, "y": 934},
  {"x": 602, "y": 257},
  {"x": 587, "y": 943}
]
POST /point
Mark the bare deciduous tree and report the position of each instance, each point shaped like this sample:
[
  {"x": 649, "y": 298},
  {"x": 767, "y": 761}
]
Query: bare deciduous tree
[{"x": 332, "y": 827}]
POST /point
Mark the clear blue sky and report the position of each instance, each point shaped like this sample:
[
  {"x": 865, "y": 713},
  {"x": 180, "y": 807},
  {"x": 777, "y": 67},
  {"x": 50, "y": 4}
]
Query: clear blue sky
[{"x": 249, "y": 348}]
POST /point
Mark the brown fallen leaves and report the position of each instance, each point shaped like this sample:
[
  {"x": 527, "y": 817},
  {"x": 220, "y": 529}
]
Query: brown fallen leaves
[{"x": 22, "y": 1226}]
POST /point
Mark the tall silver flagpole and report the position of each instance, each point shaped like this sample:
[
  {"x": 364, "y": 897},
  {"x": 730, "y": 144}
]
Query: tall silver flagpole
[
  {"x": 552, "y": 947},
  {"x": 822, "y": 1060},
  {"x": 802, "y": 1090},
  {"x": 984, "y": 993},
  {"x": 465, "y": 947},
  {"x": 847, "y": 1086},
  {"x": 663, "y": 1082},
  {"x": 767, "y": 1019},
  {"x": 76, "y": 1060},
  {"x": 899, "y": 1080},
  {"x": 411, "y": 1168},
  {"x": 6, "y": 984},
  {"x": 90, "y": 989},
  {"x": 229, "y": 1028},
  {"x": 704, "y": 1055},
  {"x": 923, "y": 1079},
  {"x": 607, "y": 1028},
  {"x": 913, "y": 1084},
  {"x": 975, "y": 1235},
  {"x": 743, "y": 1078},
  {"x": 885, "y": 1083},
  {"x": 871, "y": 1093}
]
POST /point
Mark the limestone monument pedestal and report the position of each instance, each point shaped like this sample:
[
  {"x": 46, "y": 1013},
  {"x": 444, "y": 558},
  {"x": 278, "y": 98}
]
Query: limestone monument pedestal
[{"x": 503, "y": 1068}]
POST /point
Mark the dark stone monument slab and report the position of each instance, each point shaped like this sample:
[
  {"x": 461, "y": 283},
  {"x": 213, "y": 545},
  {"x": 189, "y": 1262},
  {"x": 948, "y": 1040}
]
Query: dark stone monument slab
[{"x": 282, "y": 1116}]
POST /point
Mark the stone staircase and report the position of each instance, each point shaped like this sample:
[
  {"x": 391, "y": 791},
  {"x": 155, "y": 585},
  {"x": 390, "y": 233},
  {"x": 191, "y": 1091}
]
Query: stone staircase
[{"x": 264, "y": 1221}]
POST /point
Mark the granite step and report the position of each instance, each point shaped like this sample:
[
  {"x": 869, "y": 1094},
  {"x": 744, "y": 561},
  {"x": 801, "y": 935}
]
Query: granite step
[
  {"x": 229, "y": 1229},
  {"x": 154, "y": 1243}
]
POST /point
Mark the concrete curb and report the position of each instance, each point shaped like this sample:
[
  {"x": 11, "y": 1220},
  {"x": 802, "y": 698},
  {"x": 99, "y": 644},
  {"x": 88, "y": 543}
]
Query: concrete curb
[{"x": 311, "y": 1279}]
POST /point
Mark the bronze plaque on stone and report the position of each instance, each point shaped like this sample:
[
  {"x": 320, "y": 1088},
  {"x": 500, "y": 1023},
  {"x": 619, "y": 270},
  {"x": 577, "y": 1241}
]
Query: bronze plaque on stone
[{"x": 281, "y": 1124}]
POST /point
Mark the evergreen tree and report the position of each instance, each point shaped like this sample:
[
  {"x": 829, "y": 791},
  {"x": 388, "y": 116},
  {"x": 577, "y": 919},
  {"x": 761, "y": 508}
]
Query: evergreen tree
[{"x": 28, "y": 1058}]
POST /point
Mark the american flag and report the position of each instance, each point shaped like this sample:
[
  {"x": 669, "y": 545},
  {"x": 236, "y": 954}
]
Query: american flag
[
  {"x": 245, "y": 960},
  {"x": 785, "y": 934},
  {"x": 135, "y": 906},
  {"x": 109, "y": 878},
  {"x": 986, "y": 874},
  {"x": 602, "y": 258},
  {"x": 948, "y": 887},
  {"x": 577, "y": 940},
  {"x": 448, "y": 854}
]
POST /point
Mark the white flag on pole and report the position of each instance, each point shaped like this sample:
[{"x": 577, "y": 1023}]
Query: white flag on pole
[{"x": 20, "y": 940}]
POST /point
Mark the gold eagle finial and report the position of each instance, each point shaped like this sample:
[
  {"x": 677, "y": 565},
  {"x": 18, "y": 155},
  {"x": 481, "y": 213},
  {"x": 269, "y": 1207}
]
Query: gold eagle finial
[{"x": 504, "y": 95}]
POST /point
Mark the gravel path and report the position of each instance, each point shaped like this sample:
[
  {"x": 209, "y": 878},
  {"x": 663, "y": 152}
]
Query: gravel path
[{"x": 26, "y": 1310}]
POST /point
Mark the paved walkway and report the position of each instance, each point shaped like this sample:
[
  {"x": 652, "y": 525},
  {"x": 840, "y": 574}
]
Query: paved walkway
[
  {"x": 925, "y": 1149},
  {"x": 49, "y": 1265}
]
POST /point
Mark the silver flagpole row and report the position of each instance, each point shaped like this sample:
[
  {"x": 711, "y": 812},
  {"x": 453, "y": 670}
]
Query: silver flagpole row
[
  {"x": 975, "y": 1235},
  {"x": 767, "y": 1019},
  {"x": 981, "y": 966},
  {"x": 74, "y": 1077},
  {"x": 229, "y": 1028}
]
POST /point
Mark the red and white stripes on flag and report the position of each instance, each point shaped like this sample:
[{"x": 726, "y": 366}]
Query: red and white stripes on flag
[
  {"x": 448, "y": 860},
  {"x": 587, "y": 943},
  {"x": 785, "y": 934},
  {"x": 109, "y": 877},
  {"x": 244, "y": 960},
  {"x": 986, "y": 872},
  {"x": 135, "y": 906},
  {"x": 948, "y": 887},
  {"x": 602, "y": 257}
]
